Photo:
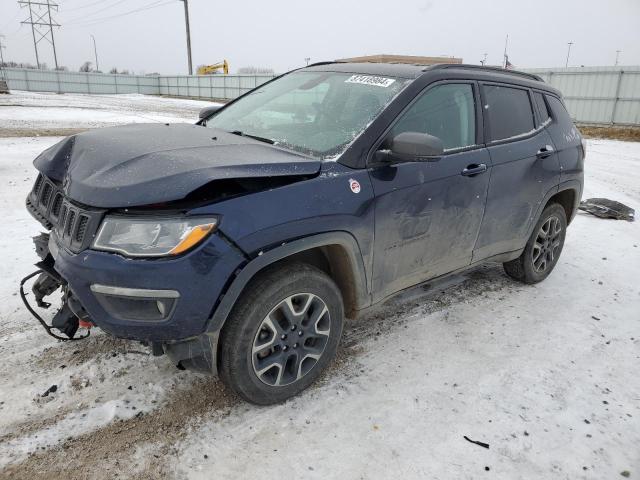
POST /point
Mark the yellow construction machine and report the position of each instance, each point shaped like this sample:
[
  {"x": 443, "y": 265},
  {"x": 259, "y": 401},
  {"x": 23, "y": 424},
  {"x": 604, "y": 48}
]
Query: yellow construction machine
[{"x": 213, "y": 69}]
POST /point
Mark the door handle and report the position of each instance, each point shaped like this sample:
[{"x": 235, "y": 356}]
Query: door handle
[
  {"x": 545, "y": 151},
  {"x": 474, "y": 169}
]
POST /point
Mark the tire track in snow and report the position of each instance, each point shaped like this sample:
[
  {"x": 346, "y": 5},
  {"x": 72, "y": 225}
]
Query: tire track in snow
[{"x": 110, "y": 449}]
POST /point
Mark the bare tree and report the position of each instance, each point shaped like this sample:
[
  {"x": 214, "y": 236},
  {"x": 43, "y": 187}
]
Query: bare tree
[
  {"x": 251, "y": 70},
  {"x": 86, "y": 67}
]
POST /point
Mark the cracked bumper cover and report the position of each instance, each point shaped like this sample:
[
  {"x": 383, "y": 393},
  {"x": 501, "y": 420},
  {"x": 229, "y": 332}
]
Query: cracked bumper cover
[{"x": 190, "y": 286}]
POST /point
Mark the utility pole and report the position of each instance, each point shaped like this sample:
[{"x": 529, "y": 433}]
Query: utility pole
[
  {"x": 2, "y": 47},
  {"x": 41, "y": 24},
  {"x": 566, "y": 64},
  {"x": 95, "y": 52},
  {"x": 617, "y": 56},
  {"x": 504, "y": 60},
  {"x": 186, "y": 19}
]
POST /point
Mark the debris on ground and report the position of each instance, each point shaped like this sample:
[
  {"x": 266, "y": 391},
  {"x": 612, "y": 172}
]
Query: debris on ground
[
  {"x": 51, "y": 389},
  {"x": 482, "y": 444},
  {"x": 605, "y": 208}
]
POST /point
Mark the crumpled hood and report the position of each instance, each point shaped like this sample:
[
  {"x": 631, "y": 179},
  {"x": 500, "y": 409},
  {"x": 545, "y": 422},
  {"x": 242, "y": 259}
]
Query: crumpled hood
[{"x": 143, "y": 164}]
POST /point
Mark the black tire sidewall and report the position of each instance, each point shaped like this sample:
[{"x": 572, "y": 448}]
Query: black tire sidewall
[
  {"x": 531, "y": 274},
  {"x": 262, "y": 295}
]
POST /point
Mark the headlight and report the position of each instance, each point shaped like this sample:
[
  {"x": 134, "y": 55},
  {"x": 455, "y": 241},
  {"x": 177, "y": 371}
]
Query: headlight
[{"x": 153, "y": 236}]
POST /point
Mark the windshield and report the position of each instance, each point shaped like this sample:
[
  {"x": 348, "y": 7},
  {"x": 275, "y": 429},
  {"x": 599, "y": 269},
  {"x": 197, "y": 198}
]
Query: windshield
[{"x": 315, "y": 113}]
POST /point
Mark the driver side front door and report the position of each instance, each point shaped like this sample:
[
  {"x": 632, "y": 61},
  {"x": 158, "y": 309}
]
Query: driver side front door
[{"x": 428, "y": 213}]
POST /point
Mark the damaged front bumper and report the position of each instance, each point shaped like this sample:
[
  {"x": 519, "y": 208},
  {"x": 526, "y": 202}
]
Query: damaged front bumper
[{"x": 164, "y": 302}]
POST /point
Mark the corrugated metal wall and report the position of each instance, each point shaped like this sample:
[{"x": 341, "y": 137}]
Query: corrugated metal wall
[
  {"x": 205, "y": 87},
  {"x": 79, "y": 82},
  {"x": 210, "y": 86},
  {"x": 598, "y": 95}
]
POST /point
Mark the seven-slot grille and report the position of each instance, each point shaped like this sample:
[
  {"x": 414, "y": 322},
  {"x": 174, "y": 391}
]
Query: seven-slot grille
[{"x": 74, "y": 226}]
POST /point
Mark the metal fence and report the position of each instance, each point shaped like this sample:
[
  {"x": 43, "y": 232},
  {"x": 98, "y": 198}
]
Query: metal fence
[
  {"x": 205, "y": 87},
  {"x": 210, "y": 86},
  {"x": 79, "y": 82},
  {"x": 596, "y": 95}
]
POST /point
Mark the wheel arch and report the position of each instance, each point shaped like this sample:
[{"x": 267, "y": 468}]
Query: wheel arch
[
  {"x": 335, "y": 253},
  {"x": 567, "y": 199}
]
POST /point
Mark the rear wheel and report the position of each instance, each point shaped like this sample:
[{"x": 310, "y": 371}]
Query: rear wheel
[
  {"x": 282, "y": 333},
  {"x": 543, "y": 248}
]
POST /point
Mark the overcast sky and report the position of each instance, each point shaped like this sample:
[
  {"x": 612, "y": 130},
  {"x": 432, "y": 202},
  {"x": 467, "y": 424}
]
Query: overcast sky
[{"x": 279, "y": 34}]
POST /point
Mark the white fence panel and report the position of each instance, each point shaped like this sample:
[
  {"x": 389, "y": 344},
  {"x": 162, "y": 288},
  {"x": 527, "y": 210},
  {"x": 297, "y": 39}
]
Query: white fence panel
[{"x": 598, "y": 95}]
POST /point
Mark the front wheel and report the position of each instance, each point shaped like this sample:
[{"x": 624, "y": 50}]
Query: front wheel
[
  {"x": 282, "y": 333},
  {"x": 543, "y": 248}
]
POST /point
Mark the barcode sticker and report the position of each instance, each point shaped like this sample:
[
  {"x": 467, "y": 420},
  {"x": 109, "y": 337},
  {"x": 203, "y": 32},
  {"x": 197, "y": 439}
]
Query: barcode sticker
[{"x": 370, "y": 80}]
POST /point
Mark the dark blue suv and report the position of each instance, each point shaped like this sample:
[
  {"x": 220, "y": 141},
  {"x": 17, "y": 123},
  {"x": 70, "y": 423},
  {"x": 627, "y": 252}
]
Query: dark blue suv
[{"x": 238, "y": 245}]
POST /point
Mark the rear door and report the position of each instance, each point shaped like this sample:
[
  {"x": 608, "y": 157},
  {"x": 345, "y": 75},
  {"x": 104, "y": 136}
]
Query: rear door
[
  {"x": 428, "y": 213},
  {"x": 525, "y": 168}
]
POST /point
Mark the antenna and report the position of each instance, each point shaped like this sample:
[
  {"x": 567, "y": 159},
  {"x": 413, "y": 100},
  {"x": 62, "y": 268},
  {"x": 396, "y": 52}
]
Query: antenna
[{"x": 41, "y": 24}]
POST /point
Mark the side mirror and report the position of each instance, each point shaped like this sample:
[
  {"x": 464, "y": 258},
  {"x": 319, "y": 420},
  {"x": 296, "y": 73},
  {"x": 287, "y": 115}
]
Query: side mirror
[
  {"x": 411, "y": 147},
  {"x": 207, "y": 111}
]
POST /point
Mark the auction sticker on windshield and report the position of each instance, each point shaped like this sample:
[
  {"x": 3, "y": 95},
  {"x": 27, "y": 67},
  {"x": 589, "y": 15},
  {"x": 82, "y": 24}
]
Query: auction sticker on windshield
[{"x": 370, "y": 80}]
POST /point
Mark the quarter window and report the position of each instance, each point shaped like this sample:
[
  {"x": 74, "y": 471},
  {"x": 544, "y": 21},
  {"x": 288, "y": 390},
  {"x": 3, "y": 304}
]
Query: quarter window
[
  {"x": 445, "y": 111},
  {"x": 542, "y": 107},
  {"x": 509, "y": 111}
]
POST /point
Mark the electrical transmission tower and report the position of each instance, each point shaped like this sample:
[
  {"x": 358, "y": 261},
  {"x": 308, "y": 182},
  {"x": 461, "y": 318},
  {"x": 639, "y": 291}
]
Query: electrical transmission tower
[{"x": 41, "y": 24}]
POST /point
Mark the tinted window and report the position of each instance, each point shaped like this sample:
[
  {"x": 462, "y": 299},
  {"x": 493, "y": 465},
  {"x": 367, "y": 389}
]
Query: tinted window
[
  {"x": 560, "y": 113},
  {"x": 446, "y": 112},
  {"x": 509, "y": 111},
  {"x": 542, "y": 107}
]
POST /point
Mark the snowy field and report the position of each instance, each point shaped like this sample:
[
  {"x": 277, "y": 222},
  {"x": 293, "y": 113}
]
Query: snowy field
[
  {"x": 547, "y": 375},
  {"x": 31, "y": 111}
]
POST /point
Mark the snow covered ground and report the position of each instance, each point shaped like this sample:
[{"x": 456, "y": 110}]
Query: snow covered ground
[
  {"x": 545, "y": 374},
  {"x": 25, "y": 111}
]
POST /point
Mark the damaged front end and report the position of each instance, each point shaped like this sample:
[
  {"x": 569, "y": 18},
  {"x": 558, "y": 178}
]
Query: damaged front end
[{"x": 71, "y": 315}]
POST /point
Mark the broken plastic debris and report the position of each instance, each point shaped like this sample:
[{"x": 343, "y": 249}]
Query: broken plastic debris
[
  {"x": 51, "y": 389},
  {"x": 605, "y": 208},
  {"x": 482, "y": 444}
]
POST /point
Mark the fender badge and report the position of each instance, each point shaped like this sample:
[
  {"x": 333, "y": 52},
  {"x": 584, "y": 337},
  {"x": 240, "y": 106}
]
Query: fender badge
[{"x": 354, "y": 185}]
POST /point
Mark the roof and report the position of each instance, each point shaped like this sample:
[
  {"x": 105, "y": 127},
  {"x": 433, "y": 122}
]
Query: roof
[
  {"x": 408, "y": 59},
  {"x": 401, "y": 70},
  {"x": 412, "y": 71}
]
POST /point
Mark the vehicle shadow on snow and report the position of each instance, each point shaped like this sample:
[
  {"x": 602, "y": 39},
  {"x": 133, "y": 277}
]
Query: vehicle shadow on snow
[{"x": 203, "y": 397}]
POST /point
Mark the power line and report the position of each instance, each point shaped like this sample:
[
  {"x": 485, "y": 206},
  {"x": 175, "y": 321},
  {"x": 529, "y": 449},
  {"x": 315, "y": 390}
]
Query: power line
[
  {"x": 97, "y": 11},
  {"x": 94, "y": 21},
  {"x": 42, "y": 26},
  {"x": 84, "y": 6}
]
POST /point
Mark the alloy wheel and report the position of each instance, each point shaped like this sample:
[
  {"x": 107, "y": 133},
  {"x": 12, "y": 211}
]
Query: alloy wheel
[
  {"x": 291, "y": 339},
  {"x": 545, "y": 248}
]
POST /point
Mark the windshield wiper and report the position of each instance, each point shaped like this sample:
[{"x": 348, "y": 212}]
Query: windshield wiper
[{"x": 255, "y": 137}]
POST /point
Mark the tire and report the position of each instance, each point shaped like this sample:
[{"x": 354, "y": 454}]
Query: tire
[
  {"x": 543, "y": 249},
  {"x": 263, "y": 358}
]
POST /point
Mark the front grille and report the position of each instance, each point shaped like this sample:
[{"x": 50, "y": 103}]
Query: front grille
[{"x": 74, "y": 225}]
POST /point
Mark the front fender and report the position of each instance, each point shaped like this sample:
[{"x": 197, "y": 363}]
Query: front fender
[{"x": 242, "y": 279}]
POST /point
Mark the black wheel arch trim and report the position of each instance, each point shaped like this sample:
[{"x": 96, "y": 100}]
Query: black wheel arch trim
[
  {"x": 238, "y": 284},
  {"x": 574, "y": 185}
]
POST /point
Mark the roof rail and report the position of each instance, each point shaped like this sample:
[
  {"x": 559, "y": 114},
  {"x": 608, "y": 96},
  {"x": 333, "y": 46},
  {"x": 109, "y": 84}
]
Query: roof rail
[
  {"x": 488, "y": 69},
  {"x": 327, "y": 62}
]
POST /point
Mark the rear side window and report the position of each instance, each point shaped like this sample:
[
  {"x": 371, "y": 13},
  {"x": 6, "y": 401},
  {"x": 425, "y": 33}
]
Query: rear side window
[
  {"x": 509, "y": 111},
  {"x": 560, "y": 113},
  {"x": 542, "y": 107},
  {"x": 444, "y": 111}
]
